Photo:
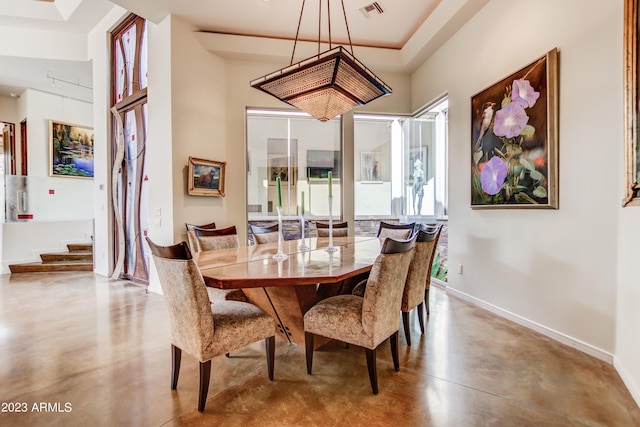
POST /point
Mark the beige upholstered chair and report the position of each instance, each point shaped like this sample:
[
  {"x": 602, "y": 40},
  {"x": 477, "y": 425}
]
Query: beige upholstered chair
[
  {"x": 367, "y": 321},
  {"x": 437, "y": 229},
  {"x": 191, "y": 235},
  {"x": 396, "y": 231},
  {"x": 418, "y": 275},
  {"x": 263, "y": 235},
  {"x": 201, "y": 329},
  {"x": 211, "y": 240},
  {"x": 340, "y": 229},
  {"x": 220, "y": 238}
]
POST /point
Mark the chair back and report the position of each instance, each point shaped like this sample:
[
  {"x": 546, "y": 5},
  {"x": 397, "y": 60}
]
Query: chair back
[
  {"x": 383, "y": 294},
  {"x": 419, "y": 268},
  {"x": 187, "y": 299},
  {"x": 191, "y": 235},
  {"x": 437, "y": 229},
  {"x": 261, "y": 235},
  {"x": 396, "y": 231},
  {"x": 220, "y": 238},
  {"x": 340, "y": 229}
]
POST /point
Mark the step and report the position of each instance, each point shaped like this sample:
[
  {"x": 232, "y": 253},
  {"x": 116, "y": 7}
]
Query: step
[
  {"x": 67, "y": 256},
  {"x": 75, "y": 247},
  {"x": 39, "y": 267}
]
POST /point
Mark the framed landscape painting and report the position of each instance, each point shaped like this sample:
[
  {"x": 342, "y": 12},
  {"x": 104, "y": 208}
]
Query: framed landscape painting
[
  {"x": 206, "y": 177},
  {"x": 514, "y": 139},
  {"x": 70, "y": 150}
]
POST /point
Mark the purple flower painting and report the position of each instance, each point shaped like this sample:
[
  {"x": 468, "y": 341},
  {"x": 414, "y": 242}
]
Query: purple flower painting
[
  {"x": 514, "y": 140},
  {"x": 493, "y": 175}
]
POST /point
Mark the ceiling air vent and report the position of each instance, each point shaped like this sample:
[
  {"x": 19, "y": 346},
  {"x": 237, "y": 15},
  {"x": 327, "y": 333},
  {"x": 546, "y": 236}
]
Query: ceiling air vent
[{"x": 372, "y": 10}]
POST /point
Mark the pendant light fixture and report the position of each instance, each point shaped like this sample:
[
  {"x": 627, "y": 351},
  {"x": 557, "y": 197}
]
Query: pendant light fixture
[{"x": 327, "y": 84}]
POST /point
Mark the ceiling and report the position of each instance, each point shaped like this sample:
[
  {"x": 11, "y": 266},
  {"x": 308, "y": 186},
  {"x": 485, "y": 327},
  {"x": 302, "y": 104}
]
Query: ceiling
[{"x": 397, "y": 34}]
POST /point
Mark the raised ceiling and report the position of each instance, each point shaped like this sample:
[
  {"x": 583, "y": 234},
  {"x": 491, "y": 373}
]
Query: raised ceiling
[{"x": 395, "y": 35}]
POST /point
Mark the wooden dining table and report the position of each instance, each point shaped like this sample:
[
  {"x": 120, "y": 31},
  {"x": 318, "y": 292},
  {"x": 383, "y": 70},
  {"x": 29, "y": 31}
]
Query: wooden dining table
[{"x": 287, "y": 288}]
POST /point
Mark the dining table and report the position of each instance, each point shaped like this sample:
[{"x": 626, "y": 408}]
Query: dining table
[{"x": 288, "y": 288}]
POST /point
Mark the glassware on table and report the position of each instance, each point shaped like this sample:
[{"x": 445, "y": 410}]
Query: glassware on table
[
  {"x": 330, "y": 248},
  {"x": 280, "y": 255}
]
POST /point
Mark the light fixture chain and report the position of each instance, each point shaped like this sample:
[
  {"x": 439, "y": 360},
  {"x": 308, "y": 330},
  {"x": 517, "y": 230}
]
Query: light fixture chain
[
  {"x": 344, "y": 12},
  {"x": 319, "y": 24},
  {"x": 329, "y": 16},
  {"x": 297, "y": 32}
]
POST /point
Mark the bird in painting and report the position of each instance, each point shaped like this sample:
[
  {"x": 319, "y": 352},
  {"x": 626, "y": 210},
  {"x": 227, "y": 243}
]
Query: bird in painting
[{"x": 485, "y": 122}]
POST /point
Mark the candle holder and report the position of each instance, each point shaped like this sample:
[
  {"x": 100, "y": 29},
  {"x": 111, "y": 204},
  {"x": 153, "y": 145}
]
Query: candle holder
[
  {"x": 330, "y": 248},
  {"x": 280, "y": 255},
  {"x": 303, "y": 244}
]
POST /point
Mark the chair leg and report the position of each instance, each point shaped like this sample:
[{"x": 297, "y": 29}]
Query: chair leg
[
  {"x": 205, "y": 374},
  {"x": 176, "y": 357},
  {"x": 407, "y": 329},
  {"x": 421, "y": 317},
  {"x": 270, "y": 344},
  {"x": 308, "y": 343},
  {"x": 426, "y": 299},
  {"x": 371, "y": 366},
  {"x": 393, "y": 340}
]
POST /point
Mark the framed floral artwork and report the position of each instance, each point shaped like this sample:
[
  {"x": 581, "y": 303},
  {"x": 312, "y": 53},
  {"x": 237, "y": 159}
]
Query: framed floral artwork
[
  {"x": 514, "y": 139},
  {"x": 70, "y": 150}
]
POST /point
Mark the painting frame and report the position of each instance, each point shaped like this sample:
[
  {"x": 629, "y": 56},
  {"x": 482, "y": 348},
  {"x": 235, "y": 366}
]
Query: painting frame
[
  {"x": 282, "y": 160},
  {"x": 631, "y": 79},
  {"x": 514, "y": 139},
  {"x": 199, "y": 186},
  {"x": 71, "y": 153},
  {"x": 320, "y": 162},
  {"x": 370, "y": 167}
]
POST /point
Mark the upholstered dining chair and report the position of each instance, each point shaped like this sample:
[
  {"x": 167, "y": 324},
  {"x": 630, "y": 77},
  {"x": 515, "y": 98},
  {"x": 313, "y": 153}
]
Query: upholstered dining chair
[
  {"x": 340, "y": 229},
  {"x": 261, "y": 235},
  {"x": 201, "y": 329},
  {"x": 368, "y": 321},
  {"x": 191, "y": 235},
  {"x": 211, "y": 240},
  {"x": 396, "y": 231},
  {"x": 436, "y": 230},
  {"x": 417, "y": 277}
]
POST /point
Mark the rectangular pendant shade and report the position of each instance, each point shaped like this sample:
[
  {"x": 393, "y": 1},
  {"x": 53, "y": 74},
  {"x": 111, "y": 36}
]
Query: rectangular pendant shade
[{"x": 325, "y": 85}]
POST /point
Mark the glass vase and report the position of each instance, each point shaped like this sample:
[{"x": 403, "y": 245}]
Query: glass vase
[
  {"x": 330, "y": 248},
  {"x": 280, "y": 255},
  {"x": 303, "y": 243}
]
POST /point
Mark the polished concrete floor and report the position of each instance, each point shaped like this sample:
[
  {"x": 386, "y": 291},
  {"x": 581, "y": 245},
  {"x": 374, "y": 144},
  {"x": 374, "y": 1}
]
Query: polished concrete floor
[{"x": 80, "y": 350}]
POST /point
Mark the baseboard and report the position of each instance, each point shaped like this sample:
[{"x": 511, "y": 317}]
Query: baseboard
[
  {"x": 626, "y": 379},
  {"x": 555, "y": 335}
]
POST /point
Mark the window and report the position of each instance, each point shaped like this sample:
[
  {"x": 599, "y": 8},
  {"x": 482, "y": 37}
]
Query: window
[
  {"x": 129, "y": 97},
  {"x": 301, "y": 151}
]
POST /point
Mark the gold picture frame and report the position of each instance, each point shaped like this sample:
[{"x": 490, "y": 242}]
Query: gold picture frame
[
  {"x": 206, "y": 177},
  {"x": 632, "y": 155},
  {"x": 514, "y": 139},
  {"x": 70, "y": 150}
]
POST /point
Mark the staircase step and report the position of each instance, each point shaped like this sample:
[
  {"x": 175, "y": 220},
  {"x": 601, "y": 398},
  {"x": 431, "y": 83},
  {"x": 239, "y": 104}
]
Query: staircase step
[
  {"x": 39, "y": 267},
  {"x": 67, "y": 256},
  {"x": 75, "y": 247}
]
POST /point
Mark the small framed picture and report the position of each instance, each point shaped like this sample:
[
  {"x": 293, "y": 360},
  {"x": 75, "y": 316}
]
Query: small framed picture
[
  {"x": 206, "y": 177},
  {"x": 370, "y": 170}
]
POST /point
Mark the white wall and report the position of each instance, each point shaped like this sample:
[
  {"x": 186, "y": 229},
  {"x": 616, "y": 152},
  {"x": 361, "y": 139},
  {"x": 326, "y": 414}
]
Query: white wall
[
  {"x": 9, "y": 110},
  {"x": 554, "y": 269},
  {"x": 72, "y": 198},
  {"x": 198, "y": 81}
]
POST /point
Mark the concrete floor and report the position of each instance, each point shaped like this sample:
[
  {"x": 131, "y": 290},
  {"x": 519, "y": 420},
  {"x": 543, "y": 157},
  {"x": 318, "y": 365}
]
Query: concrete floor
[{"x": 96, "y": 353}]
